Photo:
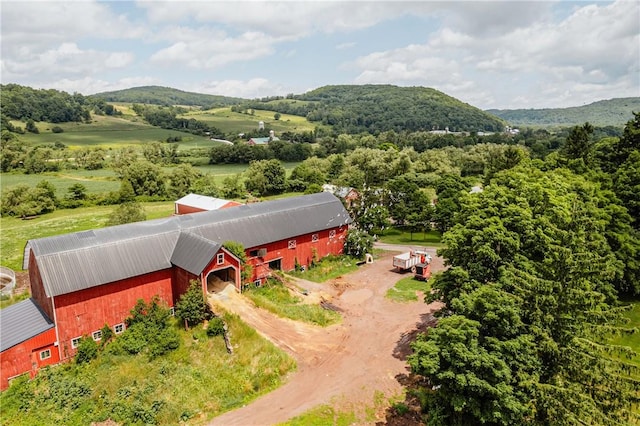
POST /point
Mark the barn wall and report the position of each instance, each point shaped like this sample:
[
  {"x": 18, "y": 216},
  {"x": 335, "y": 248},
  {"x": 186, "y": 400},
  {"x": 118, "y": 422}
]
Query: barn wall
[
  {"x": 229, "y": 261},
  {"x": 181, "y": 279},
  {"x": 82, "y": 312},
  {"x": 303, "y": 252},
  {"x": 25, "y": 357},
  {"x": 183, "y": 209},
  {"x": 37, "y": 288}
]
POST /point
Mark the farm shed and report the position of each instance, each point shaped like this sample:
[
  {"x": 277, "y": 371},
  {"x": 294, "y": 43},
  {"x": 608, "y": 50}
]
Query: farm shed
[
  {"x": 85, "y": 280},
  {"x": 193, "y": 203}
]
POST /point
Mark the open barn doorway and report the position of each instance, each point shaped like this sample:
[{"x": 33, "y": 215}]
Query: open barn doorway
[{"x": 219, "y": 279}]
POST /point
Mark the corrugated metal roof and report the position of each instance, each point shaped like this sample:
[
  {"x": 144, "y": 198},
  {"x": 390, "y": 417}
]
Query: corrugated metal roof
[
  {"x": 202, "y": 202},
  {"x": 192, "y": 252},
  {"x": 86, "y": 259},
  {"x": 21, "y": 322}
]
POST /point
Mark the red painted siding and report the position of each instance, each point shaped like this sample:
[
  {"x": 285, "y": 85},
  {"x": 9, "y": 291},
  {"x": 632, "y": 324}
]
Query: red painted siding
[
  {"x": 181, "y": 281},
  {"x": 328, "y": 242},
  {"x": 25, "y": 357},
  {"x": 37, "y": 288},
  {"x": 229, "y": 261},
  {"x": 183, "y": 209},
  {"x": 85, "y": 311}
]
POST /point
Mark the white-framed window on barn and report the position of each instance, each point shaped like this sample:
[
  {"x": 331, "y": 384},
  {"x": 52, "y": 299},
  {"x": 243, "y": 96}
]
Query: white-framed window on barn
[
  {"x": 75, "y": 342},
  {"x": 118, "y": 328},
  {"x": 220, "y": 260},
  {"x": 292, "y": 244},
  {"x": 315, "y": 238},
  {"x": 332, "y": 233},
  {"x": 97, "y": 335},
  {"x": 46, "y": 354}
]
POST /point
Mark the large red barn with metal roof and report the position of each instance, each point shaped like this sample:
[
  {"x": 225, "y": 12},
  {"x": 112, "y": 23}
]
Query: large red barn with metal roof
[{"x": 84, "y": 280}]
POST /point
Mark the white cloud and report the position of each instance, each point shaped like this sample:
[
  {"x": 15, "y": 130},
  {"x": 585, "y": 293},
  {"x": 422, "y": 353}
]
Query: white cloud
[
  {"x": 203, "y": 48},
  {"x": 347, "y": 45},
  {"x": 89, "y": 85},
  {"x": 593, "y": 50},
  {"x": 253, "y": 88}
]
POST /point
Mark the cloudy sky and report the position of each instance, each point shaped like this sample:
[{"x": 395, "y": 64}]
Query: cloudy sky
[{"x": 491, "y": 54}]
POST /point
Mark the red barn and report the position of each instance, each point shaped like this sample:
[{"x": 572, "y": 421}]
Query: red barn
[
  {"x": 193, "y": 203},
  {"x": 84, "y": 280}
]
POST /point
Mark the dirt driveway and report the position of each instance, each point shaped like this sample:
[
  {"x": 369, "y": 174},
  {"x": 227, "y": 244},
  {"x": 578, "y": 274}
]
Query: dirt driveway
[{"x": 343, "y": 364}]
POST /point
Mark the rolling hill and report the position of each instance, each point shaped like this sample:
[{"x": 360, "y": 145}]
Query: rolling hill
[
  {"x": 612, "y": 112},
  {"x": 378, "y": 108},
  {"x": 159, "y": 95}
]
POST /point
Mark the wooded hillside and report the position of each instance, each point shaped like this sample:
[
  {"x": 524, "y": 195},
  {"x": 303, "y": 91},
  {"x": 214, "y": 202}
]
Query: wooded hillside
[
  {"x": 612, "y": 112},
  {"x": 158, "y": 95},
  {"x": 377, "y": 108}
]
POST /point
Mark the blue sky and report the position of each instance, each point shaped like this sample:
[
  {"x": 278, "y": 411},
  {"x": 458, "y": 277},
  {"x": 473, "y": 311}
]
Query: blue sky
[{"x": 490, "y": 54}]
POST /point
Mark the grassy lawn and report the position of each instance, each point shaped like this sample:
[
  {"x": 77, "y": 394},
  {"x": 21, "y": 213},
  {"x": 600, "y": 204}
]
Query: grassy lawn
[
  {"x": 276, "y": 298},
  {"x": 194, "y": 383},
  {"x": 16, "y": 232},
  {"x": 405, "y": 290},
  {"x": 328, "y": 268},
  {"x": 401, "y": 236}
]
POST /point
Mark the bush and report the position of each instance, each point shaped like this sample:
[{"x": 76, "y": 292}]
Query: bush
[
  {"x": 87, "y": 350},
  {"x": 215, "y": 327},
  {"x": 57, "y": 129},
  {"x": 192, "y": 307}
]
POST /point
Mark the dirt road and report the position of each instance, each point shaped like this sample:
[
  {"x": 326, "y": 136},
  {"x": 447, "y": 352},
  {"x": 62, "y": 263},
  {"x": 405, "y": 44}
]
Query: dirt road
[{"x": 343, "y": 364}]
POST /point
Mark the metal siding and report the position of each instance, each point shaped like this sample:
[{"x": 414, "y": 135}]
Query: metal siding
[{"x": 21, "y": 322}]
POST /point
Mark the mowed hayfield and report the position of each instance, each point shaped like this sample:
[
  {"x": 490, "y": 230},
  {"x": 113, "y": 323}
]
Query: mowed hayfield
[
  {"x": 228, "y": 121},
  {"x": 109, "y": 132}
]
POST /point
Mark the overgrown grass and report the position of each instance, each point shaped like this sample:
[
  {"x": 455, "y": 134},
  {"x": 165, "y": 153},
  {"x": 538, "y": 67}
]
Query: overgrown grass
[
  {"x": 406, "y": 289},
  {"x": 196, "y": 382},
  {"x": 402, "y": 236},
  {"x": 16, "y": 232},
  {"x": 328, "y": 268},
  {"x": 276, "y": 298}
]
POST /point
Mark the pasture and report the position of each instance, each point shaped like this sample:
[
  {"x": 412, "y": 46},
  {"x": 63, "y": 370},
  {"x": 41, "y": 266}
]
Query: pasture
[{"x": 236, "y": 122}]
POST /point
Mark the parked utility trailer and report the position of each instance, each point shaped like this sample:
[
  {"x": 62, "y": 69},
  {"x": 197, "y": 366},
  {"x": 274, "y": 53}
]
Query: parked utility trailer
[{"x": 409, "y": 260}]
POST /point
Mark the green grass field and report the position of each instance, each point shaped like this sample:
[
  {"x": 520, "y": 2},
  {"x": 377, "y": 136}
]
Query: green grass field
[
  {"x": 228, "y": 121},
  {"x": 406, "y": 290},
  {"x": 108, "y": 132},
  {"x": 400, "y": 236}
]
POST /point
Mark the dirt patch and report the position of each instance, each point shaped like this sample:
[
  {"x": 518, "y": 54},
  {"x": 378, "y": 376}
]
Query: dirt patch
[
  {"x": 349, "y": 361},
  {"x": 22, "y": 282}
]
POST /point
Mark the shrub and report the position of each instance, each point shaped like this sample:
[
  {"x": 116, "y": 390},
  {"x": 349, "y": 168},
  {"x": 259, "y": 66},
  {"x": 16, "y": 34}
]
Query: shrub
[
  {"x": 215, "y": 327},
  {"x": 87, "y": 350},
  {"x": 57, "y": 129},
  {"x": 192, "y": 307}
]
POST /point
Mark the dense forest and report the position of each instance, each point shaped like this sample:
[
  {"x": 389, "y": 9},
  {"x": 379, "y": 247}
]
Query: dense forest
[
  {"x": 612, "y": 112},
  {"x": 166, "y": 96}
]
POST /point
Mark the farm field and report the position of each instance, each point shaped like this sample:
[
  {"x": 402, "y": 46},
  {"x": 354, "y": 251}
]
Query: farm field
[
  {"x": 228, "y": 121},
  {"x": 105, "y": 180},
  {"x": 108, "y": 132}
]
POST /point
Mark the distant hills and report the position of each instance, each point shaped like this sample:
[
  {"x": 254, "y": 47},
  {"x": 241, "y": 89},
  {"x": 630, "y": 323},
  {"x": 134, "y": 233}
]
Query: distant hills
[
  {"x": 347, "y": 108},
  {"x": 612, "y": 112},
  {"x": 159, "y": 95}
]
